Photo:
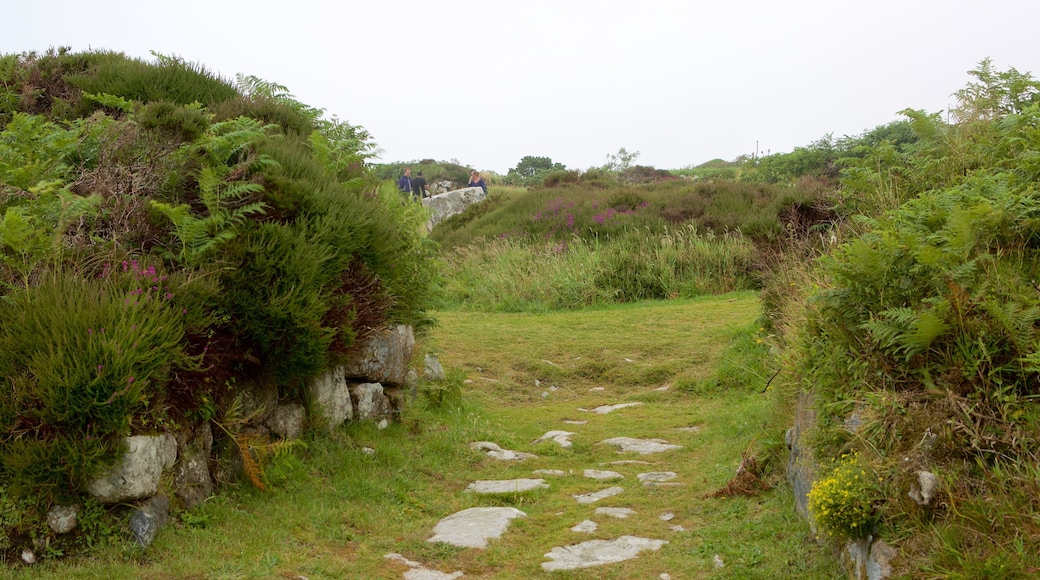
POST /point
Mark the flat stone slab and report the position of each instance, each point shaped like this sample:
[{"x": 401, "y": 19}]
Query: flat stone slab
[
  {"x": 561, "y": 438},
  {"x": 656, "y": 476},
  {"x": 493, "y": 486},
  {"x": 615, "y": 512},
  {"x": 495, "y": 452},
  {"x": 420, "y": 572},
  {"x": 473, "y": 527},
  {"x": 596, "y": 496},
  {"x": 598, "y": 552},
  {"x": 602, "y": 474},
  {"x": 585, "y": 527},
  {"x": 550, "y": 472},
  {"x": 604, "y": 409},
  {"x": 640, "y": 446}
]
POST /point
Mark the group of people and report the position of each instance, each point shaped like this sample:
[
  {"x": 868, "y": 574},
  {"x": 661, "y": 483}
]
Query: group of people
[{"x": 416, "y": 186}]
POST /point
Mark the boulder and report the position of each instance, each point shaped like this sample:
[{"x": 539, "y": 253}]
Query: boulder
[
  {"x": 382, "y": 356},
  {"x": 445, "y": 205},
  {"x": 192, "y": 480},
  {"x": 137, "y": 475},
  {"x": 287, "y": 421},
  {"x": 330, "y": 395},
  {"x": 371, "y": 402}
]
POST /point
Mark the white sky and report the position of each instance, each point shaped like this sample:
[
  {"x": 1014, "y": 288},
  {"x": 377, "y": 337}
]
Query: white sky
[{"x": 488, "y": 82}]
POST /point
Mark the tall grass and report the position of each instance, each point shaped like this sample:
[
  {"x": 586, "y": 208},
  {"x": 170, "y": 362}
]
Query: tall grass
[{"x": 507, "y": 275}]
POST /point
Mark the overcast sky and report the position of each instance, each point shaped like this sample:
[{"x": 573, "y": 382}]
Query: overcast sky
[{"x": 487, "y": 82}]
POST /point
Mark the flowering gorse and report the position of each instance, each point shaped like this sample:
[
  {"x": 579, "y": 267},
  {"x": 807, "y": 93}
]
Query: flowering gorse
[{"x": 843, "y": 502}]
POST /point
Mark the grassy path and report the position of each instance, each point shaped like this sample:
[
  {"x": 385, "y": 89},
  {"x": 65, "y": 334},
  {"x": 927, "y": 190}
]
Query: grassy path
[{"x": 335, "y": 511}]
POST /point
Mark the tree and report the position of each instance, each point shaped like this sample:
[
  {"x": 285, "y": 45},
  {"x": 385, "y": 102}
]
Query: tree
[
  {"x": 530, "y": 166},
  {"x": 620, "y": 161}
]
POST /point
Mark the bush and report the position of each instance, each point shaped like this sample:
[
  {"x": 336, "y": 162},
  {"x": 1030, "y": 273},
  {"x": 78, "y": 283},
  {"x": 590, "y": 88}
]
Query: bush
[
  {"x": 82, "y": 358},
  {"x": 842, "y": 502}
]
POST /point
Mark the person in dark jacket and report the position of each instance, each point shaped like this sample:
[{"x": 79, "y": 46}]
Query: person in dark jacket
[
  {"x": 475, "y": 180},
  {"x": 419, "y": 186},
  {"x": 404, "y": 183}
]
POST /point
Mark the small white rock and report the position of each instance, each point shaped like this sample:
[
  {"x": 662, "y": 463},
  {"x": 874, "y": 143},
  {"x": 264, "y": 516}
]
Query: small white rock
[{"x": 717, "y": 559}]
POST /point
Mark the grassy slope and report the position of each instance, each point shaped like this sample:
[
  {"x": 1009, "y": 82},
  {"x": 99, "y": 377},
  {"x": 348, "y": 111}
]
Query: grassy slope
[{"x": 334, "y": 512}]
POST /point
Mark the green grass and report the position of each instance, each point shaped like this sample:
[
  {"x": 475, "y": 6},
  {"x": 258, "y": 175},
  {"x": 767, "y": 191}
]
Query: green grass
[{"x": 334, "y": 512}]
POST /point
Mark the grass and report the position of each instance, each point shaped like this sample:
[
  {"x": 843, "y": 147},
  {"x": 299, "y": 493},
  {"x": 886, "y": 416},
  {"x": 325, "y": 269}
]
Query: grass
[{"x": 333, "y": 511}]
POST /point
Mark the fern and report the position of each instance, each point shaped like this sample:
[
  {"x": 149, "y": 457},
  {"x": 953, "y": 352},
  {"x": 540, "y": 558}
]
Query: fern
[{"x": 907, "y": 331}]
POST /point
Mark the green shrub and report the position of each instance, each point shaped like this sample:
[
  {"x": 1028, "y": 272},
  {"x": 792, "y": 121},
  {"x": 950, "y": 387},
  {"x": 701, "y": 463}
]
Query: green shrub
[
  {"x": 186, "y": 123},
  {"x": 843, "y": 501},
  {"x": 82, "y": 358}
]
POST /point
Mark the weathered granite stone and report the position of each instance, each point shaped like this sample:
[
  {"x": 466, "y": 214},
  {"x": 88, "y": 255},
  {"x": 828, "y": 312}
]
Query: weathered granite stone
[
  {"x": 598, "y": 552},
  {"x": 602, "y": 475},
  {"x": 137, "y": 475},
  {"x": 585, "y": 527},
  {"x": 434, "y": 370},
  {"x": 868, "y": 559},
  {"x": 473, "y": 527},
  {"x": 445, "y": 205},
  {"x": 371, "y": 402},
  {"x": 615, "y": 512},
  {"x": 603, "y": 410},
  {"x": 499, "y": 486},
  {"x": 62, "y": 519},
  {"x": 382, "y": 356},
  {"x": 287, "y": 420},
  {"x": 146, "y": 521},
  {"x": 495, "y": 452},
  {"x": 192, "y": 480},
  {"x": 418, "y": 571},
  {"x": 561, "y": 438},
  {"x": 330, "y": 394},
  {"x": 598, "y": 495},
  {"x": 657, "y": 476},
  {"x": 640, "y": 446},
  {"x": 801, "y": 466},
  {"x": 926, "y": 487}
]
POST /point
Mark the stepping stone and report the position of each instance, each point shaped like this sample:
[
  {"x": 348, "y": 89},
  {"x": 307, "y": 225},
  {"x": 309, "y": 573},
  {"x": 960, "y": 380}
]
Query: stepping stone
[
  {"x": 597, "y": 389},
  {"x": 553, "y": 472},
  {"x": 496, "y": 452},
  {"x": 560, "y": 437},
  {"x": 420, "y": 572},
  {"x": 641, "y": 446},
  {"x": 493, "y": 486},
  {"x": 656, "y": 477},
  {"x": 663, "y": 388},
  {"x": 603, "y": 410},
  {"x": 573, "y": 422},
  {"x": 473, "y": 527},
  {"x": 598, "y": 552},
  {"x": 598, "y": 495},
  {"x": 667, "y": 516},
  {"x": 603, "y": 475},
  {"x": 615, "y": 512},
  {"x": 586, "y": 527}
]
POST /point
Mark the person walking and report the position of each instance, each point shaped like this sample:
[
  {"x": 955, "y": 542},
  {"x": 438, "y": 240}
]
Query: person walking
[
  {"x": 475, "y": 180},
  {"x": 404, "y": 183},
  {"x": 419, "y": 186}
]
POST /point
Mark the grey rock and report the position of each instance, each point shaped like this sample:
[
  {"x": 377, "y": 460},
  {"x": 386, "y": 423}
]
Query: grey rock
[
  {"x": 495, "y": 452},
  {"x": 287, "y": 420},
  {"x": 434, "y": 370},
  {"x": 419, "y": 572},
  {"x": 137, "y": 475},
  {"x": 641, "y": 446},
  {"x": 602, "y": 475},
  {"x": 598, "y": 552},
  {"x": 585, "y": 527},
  {"x": 867, "y": 559},
  {"x": 603, "y": 410},
  {"x": 62, "y": 519},
  {"x": 615, "y": 512},
  {"x": 330, "y": 395},
  {"x": 598, "y": 495},
  {"x": 443, "y": 206},
  {"x": 473, "y": 527},
  {"x": 382, "y": 356},
  {"x": 146, "y": 521},
  {"x": 371, "y": 402},
  {"x": 192, "y": 480},
  {"x": 657, "y": 476},
  {"x": 925, "y": 489},
  {"x": 499, "y": 486},
  {"x": 561, "y": 438},
  {"x": 550, "y": 472}
]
